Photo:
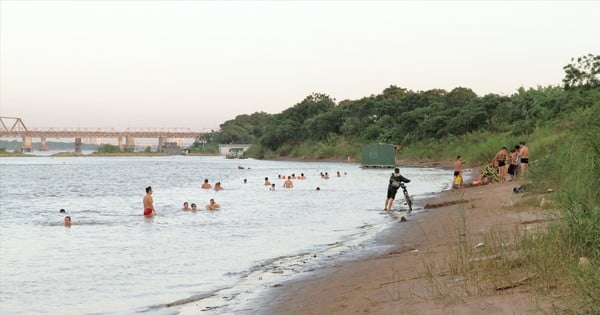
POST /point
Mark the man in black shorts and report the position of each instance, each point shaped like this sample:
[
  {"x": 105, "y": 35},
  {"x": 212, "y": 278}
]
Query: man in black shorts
[{"x": 393, "y": 186}]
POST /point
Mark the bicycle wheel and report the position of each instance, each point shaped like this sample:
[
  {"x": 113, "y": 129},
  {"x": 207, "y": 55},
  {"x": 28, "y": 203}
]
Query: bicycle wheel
[{"x": 408, "y": 200}]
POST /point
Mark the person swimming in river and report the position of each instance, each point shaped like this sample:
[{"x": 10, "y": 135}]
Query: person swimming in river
[
  {"x": 212, "y": 205},
  {"x": 206, "y": 185},
  {"x": 288, "y": 183},
  {"x": 218, "y": 186},
  {"x": 186, "y": 206},
  {"x": 148, "y": 203},
  {"x": 67, "y": 221}
]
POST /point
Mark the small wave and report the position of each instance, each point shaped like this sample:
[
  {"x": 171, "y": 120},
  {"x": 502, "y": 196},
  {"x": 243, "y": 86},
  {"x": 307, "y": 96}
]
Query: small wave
[{"x": 81, "y": 223}]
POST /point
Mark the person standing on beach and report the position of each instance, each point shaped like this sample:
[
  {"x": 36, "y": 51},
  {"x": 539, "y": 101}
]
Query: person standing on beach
[
  {"x": 395, "y": 182},
  {"x": 148, "y": 203},
  {"x": 524, "y": 153},
  {"x": 499, "y": 161},
  {"x": 458, "y": 164}
]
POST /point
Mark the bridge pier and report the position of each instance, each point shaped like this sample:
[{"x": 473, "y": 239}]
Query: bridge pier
[
  {"x": 77, "y": 145},
  {"x": 27, "y": 145},
  {"x": 161, "y": 143},
  {"x": 43, "y": 146},
  {"x": 129, "y": 143}
]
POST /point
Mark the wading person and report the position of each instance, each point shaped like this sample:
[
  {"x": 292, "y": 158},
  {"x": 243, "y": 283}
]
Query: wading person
[
  {"x": 212, "y": 205},
  {"x": 206, "y": 185},
  {"x": 395, "y": 180},
  {"x": 148, "y": 203}
]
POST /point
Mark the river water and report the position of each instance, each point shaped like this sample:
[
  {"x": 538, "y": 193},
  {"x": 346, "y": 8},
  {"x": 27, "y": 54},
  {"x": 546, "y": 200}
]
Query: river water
[{"x": 113, "y": 260}]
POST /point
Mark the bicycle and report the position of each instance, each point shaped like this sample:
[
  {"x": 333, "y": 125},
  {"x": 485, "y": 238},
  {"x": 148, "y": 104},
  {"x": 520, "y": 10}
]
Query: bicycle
[{"x": 406, "y": 196}]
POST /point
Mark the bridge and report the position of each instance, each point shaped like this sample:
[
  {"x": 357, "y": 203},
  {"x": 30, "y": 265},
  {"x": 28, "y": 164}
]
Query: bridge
[{"x": 14, "y": 127}]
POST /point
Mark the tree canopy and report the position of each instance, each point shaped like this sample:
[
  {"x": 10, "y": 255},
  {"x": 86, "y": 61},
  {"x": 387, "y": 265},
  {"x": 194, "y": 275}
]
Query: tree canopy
[{"x": 402, "y": 116}]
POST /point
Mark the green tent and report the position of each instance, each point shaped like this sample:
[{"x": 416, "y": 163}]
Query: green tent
[{"x": 378, "y": 155}]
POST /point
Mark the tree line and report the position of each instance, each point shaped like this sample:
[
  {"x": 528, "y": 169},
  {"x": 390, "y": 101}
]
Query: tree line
[{"x": 402, "y": 116}]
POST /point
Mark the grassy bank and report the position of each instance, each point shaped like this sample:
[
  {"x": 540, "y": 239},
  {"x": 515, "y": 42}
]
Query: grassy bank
[{"x": 561, "y": 261}]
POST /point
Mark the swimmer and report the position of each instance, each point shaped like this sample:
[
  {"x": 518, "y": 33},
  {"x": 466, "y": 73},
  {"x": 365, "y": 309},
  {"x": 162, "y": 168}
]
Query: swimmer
[
  {"x": 62, "y": 211},
  {"x": 186, "y": 206},
  {"x": 194, "y": 207},
  {"x": 206, "y": 185},
  {"x": 245, "y": 181},
  {"x": 67, "y": 221},
  {"x": 267, "y": 182},
  {"x": 212, "y": 205},
  {"x": 272, "y": 187},
  {"x": 218, "y": 186},
  {"x": 148, "y": 203},
  {"x": 288, "y": 183},
  {"x": 318, "y": 188}
]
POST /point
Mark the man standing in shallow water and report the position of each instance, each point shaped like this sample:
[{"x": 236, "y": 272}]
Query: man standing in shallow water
[{"x": 148, "y": 203}]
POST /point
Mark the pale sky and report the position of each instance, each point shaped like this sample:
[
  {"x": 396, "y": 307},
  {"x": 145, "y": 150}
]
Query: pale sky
[{"x": 196, "y": 64}]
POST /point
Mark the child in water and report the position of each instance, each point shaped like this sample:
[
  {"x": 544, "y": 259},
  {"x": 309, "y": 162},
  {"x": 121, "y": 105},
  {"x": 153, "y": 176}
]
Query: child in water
[{"x": 457, "y": 183}]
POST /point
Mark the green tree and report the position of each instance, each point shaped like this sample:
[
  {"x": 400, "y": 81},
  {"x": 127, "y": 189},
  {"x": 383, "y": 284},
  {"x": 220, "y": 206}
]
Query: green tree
[{"x": 583, "y": 72}]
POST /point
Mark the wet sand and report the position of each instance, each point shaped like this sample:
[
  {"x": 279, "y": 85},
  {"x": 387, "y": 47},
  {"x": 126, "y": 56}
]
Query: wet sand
[{"x": 405, "y": 279}]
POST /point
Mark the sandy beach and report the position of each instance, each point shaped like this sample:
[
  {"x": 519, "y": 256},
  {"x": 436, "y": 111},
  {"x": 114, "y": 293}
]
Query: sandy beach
[{"x": 415, "y": 276}]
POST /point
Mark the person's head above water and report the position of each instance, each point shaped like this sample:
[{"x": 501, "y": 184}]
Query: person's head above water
[
  {"x": 148, "y": 189},
  {"x": 62, "y": 211},
  {"x": 397, "y": 170},
  {"x": 67, "y": 220}
]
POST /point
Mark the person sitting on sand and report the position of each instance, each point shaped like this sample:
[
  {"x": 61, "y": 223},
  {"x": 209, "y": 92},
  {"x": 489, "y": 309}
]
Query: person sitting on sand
[
  {"x": 194, "y": 207},
  {"x": 395, "y": 182},
  {"x": 458, "y": 180},
  {"x": 267, "y": 182},
  {"x": 218, "y": 186},
  {"x": 288, "y": 183},
  {"x": 186, "y": 206},
  {"x": 67, "y": 221},
  {"x": 212, "y": 205},
  {"x": 206, "y": 185}
]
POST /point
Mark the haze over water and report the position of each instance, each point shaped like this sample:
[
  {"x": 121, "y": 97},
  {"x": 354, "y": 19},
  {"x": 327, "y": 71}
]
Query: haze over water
[{"x": 113, "y": 260}]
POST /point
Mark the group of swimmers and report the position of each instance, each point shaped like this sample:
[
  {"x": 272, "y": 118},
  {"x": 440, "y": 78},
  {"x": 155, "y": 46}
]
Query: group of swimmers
[{"x": 212, "y": 205}]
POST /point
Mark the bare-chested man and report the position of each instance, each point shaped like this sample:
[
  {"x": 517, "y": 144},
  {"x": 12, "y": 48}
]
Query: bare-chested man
[
  {"x": 458, "y": 164},
  {"x": 288, "y": 183},
  {"x": 500, "y": 160},
  {"x": 206, "y": 185},
  {"x": 148, "y": 203},
  {"x": 212, "y": 205},
  {"x": 524, "y": 153}
]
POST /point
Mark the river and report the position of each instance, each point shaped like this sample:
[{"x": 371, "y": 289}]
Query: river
[{"x": 113, "y": 260}]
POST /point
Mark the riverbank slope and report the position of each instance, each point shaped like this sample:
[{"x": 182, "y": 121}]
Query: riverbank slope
[{"x": 417, "y": 276}]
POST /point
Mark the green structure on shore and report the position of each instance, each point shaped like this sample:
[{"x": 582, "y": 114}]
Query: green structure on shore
[{"x": 378, "y": 155}]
